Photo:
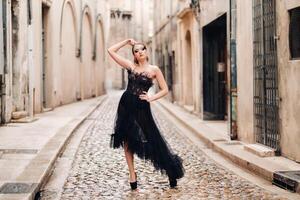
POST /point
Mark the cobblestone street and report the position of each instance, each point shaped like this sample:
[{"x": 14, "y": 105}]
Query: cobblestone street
[{"x": 99, "y": 172}]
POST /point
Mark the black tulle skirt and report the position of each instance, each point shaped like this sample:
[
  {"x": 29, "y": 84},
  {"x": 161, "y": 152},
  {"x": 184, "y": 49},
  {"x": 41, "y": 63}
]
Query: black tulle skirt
[{"x": 135, "y": 125}]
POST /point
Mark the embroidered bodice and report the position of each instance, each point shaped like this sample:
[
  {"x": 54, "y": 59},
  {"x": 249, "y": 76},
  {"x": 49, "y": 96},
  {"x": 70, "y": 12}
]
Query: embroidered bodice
[{"x": 138, "y": 82}]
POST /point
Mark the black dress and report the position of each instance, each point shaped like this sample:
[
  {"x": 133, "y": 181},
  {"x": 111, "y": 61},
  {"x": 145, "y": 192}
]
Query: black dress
[{"x": 135, "y": 125}]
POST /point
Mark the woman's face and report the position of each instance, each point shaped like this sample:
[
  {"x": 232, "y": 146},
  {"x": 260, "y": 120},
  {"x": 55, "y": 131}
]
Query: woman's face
[{"x": 140, "y": 52}]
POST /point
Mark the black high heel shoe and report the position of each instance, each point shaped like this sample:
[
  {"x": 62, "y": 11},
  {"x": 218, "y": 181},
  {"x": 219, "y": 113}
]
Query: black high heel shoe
[
  {"x": 133, "y": 185},
  {"x": 173, "y": 182}
]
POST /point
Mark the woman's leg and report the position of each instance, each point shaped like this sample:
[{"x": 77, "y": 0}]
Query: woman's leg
[{"x": 129, "y": 159}]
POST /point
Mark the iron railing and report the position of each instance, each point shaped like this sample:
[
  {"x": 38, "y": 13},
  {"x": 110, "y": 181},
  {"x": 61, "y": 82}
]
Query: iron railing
[{"x": 265, "y": 74}]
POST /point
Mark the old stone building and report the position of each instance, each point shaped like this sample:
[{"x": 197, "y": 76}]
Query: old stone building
[
  {"x": 121, "y": 27},
  {"x": 52, "y": 53},
  {"x": 236, "y": 63},
  {"x": 288, "y": 26},
  {"x": 176, "y": 51},
  {"x": 128, "y": 19},
  {"x": 267, "y": 63}
]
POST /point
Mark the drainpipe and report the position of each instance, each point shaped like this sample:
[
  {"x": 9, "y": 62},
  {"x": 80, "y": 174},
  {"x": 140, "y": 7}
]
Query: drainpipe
[
  {"x": 30, "y": 61},
  {"x": 170, "y": 54},
  {"x": 80, "y": 33},
  {"x": 2, "y": 62},
  {"x": 195, "y": 6},
  {"x": 233, "y": 78},
  {"x": 5, "y": 56}
]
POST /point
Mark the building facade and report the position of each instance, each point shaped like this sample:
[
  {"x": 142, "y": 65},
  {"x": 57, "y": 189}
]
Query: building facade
[
  {"x": 121, "y": 28},
  {"x": 267, "y": 74},
  {"x": 235, "y": 62},
  {"x": 52, "y": 53},
  {"x": 288, "y": 41},
  {"x": 128, "y": 19},
  {"x": 176, "y": 50}
]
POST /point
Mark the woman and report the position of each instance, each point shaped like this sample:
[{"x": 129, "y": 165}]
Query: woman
[{"x": 134, "y": 127}]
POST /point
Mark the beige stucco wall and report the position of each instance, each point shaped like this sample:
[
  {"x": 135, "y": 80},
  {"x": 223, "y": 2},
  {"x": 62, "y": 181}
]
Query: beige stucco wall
[
  {"x": 19, "y": 57},
  {"x": 137, "y": 27},
  {"x": 210, "y": 10},
  {"x": 187, "y": 80},
  {"x": 36, "y": 77},
  {"x": 288, "y": 74},
  {"x": 87, "y": 63},
  {"x": 189, "y": 65},
  {"x": 64, "y": 41},
  {"x": 244, "y": 52},
  {"x": 74, "y": 77},
  {"x": 100, "y": 59},
  {"x": 172, "y": 21},
  {"x": 289, "y": 88},
  {"x": 69, "y": 70},
  {"x": 8, "y": 100},
  {"x": 164, "y": 42}
]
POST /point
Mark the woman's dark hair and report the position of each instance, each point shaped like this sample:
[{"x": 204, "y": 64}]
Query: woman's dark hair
[{"x": 132, "y": 50}]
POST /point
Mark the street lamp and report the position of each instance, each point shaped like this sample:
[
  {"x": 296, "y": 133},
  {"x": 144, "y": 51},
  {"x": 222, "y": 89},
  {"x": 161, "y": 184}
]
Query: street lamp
[
  {"x": 118, "y": 12},
  {"x": 195, "y": 6}
]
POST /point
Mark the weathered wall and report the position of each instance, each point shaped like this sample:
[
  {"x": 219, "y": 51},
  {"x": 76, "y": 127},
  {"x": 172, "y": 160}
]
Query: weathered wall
[
  {"x": 19, "y": 55},
  {"x": 72, "y": 32},
  {"x": 68, "y": 77},
  {"x": 244, "y": 51},
  {"x": 172, "y": 21},
  {"x": 7, "y": 101},
  {"x": 87, "y": 66},
  {"x": 100, "y": 58},
  {"x": 130, "y": 23},
  {"x": 37, "y": 65},
  {"x": 69, "y": 72},
  {"x": 210, "y": 10},
  {"x": 289, "y": 87},
  {"x": 189, "y": 67}
]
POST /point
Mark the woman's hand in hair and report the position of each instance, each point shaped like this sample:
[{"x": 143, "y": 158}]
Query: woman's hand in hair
[
  {"x": 112, "y": 51},
  {"x": 131, "y": 41}
]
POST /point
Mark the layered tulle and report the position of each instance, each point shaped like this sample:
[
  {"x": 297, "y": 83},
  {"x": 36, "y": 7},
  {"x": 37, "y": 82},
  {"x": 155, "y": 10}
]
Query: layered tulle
[{"x": 135, "y": 125}]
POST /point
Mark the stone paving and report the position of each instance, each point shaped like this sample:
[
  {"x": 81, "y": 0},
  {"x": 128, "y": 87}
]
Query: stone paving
[{"x": 99, "y": 172}]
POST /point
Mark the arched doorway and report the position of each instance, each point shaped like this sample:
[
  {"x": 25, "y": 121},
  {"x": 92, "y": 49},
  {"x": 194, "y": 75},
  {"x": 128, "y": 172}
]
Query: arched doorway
[
  {"x": 88, "y": 67},
  {"x": 69, "y": 71},
  {"x": 100, "y": 68},
  {"x": 188, "y": 71}
]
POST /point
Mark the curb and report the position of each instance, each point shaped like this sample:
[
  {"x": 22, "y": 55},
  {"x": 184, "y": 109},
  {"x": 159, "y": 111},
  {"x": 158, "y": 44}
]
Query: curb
[
  {"x": 215, "y": 145},
  {"x": 38, "y": 171}
]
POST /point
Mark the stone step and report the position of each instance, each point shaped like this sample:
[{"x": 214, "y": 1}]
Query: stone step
[
  {"x": 19, "y": 114},
  {"x": 24, "y": 120},
  {"x": 260, "y": 150}
]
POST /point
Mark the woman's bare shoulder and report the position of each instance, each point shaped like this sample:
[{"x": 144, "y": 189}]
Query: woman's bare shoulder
[
  {"x": 154, "y": 68},
  {"x": 131, "y": 66}
]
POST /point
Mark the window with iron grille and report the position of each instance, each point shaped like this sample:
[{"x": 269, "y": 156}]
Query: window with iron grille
[{"x": 294, "y": 35}]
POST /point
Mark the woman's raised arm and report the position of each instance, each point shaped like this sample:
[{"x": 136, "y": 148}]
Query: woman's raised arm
[{"x": 112, "y": 51}]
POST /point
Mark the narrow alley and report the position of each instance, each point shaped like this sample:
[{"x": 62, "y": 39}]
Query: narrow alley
[
  {"x": 99, "y": 172},
  {"x": 221, "y": 76}
]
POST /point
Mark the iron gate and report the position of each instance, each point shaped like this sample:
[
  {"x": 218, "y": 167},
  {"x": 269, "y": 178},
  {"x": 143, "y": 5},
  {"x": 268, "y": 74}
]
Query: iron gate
[{"x": 265, "y": 74}]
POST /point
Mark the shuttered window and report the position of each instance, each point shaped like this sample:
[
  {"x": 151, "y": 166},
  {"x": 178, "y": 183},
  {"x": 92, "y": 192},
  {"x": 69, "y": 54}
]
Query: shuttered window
[{"x": 294, "y": 33}]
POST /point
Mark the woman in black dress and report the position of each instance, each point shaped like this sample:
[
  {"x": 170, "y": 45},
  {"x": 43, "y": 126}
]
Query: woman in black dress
[{"x": 134, "y": 127}]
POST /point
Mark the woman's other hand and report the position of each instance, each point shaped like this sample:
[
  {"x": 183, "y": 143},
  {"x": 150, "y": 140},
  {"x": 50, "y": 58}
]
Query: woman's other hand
[
  {"x": 131, "y": 41},
  {"x": 145, "y": 96}
]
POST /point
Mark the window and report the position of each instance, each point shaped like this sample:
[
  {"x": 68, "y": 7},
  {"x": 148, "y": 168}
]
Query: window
[{"x": 294, "y": 35}]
